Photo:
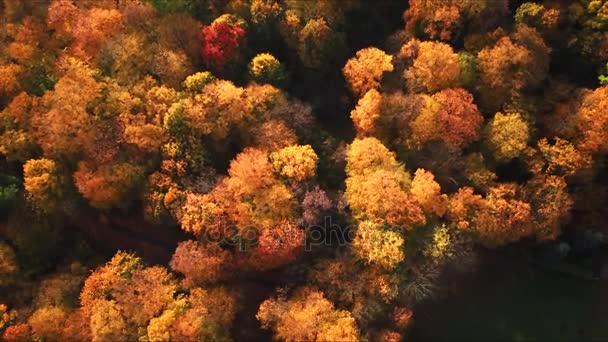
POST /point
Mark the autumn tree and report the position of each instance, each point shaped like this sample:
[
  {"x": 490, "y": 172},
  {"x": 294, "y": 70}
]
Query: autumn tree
[
  {"x": 265, "y": 68},
  {"x": 499, "y": 218},
  {"x": 124, "y": 295},
  {"x": 9, "y": 267},
  {"x": 66, "y": 127},
  {"x": 551, "y": 205},
  {"x": 371, "y": 166},
  {"x": 45, "y": 183},
  {"x": 367, "y": 113},
  {"x": 201, "y": 263},
  {"x": 561, "y": 158},
  {"x": 507, "y": 136},
  {"x": 459, "y": 121},
  {"x": 317, "y": 42},
  {"x": 513, "y": 64},
  {"x": 295, "y": 162},
  {"x": 438, "y": 19},
  {"x": 449, "y": 115},
  {"x": 364, "y": 71},
  {"x": 377, "y": 245},
  {"x": 592, "y": 121},
  {"x": 222, "y": 42},
  {"x": 435, "y": 66},
  {"x": 428, "y": 193},
  {"x": 107, "y": 186},
  {"x": 307, "y": 315}
]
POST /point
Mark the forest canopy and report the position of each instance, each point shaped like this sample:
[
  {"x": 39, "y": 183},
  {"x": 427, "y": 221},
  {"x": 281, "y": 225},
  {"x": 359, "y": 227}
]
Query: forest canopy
[{"x": 201, "y": 170}]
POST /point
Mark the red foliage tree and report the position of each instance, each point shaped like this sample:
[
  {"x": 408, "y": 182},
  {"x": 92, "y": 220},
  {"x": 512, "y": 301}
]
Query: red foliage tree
[{"x": 221, "y": 42}]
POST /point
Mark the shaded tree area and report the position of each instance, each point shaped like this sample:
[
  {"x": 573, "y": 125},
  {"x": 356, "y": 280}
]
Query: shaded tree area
[{"x": 194, "y": 170}]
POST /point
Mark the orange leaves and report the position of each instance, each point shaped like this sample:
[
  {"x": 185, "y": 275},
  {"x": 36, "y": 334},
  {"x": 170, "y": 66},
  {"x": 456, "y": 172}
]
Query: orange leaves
[
  {"x": 562, "y": 158},
  {"x": 8, "y": 79},
  {"x": 307, "y": 316},
  {"x": 201, "y": 263},
  {"x": 551, "y": 204},
  {"x": 122, "y": 296},
  {"x": 592, "y": 121},
  {"x": 364, "y": 72},
  {"x": 107, "y": 186},
  {"x": 249, "y": 172},
  {"x": 89, "y": 28},
  {"x": 512, "y": 65},
  {"x": 439, "y": 19},
  {"x": 381, "y": 196},
  {"x": 376, "y": 187},
  {"x": 367, "y": 113},
  {"x": 200, "y": 215},
  {"x": 277, "y": 246},
  {"x": 458, "y": 120},
  {"x": 428, "y": 193},
  {"x": 435, "y": 67},
  {"x": 66, "y": 127},
  {"x": 499, "y": 218}
]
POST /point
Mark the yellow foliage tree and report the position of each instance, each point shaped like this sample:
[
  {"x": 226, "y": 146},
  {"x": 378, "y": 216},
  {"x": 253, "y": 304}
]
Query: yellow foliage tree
[
  {"x": 44, "y": 183},
  {"x": 295, "y": 162},
  {"x": 507, "y": 136}
]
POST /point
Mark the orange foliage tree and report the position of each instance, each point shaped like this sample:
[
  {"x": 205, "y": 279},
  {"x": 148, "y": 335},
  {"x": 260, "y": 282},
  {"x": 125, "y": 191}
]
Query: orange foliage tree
[{"x": 364, "y": 71}]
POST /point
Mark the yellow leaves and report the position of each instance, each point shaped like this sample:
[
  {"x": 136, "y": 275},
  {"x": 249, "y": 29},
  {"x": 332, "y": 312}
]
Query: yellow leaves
[
  {"x": 377, "y": 245},
  {"x": 295, "y": 162},
  {"x": 159, "y": 329},
  {"x": 44, "y": 323},
  {"x": 17, "y": 145},
  {"x": 425, "y": 126},
  {"x": 107, "y": 324},
  {"x": 367, "y": 113},
  {"x": 507, "y": 136},
  {"x": 367, "y": 155},
  {"x": 438, "y": 249},
  {"x": 265, "y": 68},
  {"x": 365, "y": 71},
  {"x": 216, "y": 110},
  {"x": 43, "y": 183},
  {"x": 342, "y": 328},
  {"x": 382, "y": 196},
  {"x": 196, "y": 82}
]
